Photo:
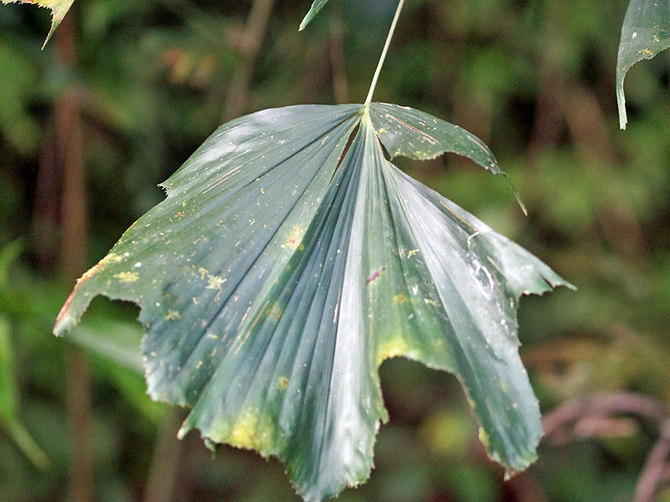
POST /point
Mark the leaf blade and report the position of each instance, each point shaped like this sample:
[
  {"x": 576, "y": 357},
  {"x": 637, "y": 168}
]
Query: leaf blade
[
  {"x": 645, "y": 33},
  {"x": 411, "y": 133},
  {"x": 9, "y": 402},
  {"x": 290, "y": 259}
]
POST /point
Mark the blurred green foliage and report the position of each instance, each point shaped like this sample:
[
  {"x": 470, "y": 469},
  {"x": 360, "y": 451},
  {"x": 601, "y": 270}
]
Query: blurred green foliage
[{"x": 534, "y": 79}]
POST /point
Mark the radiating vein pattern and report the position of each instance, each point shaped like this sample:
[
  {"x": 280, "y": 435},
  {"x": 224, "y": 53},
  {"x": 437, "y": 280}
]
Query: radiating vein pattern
[{"x": 291, "y": 258}]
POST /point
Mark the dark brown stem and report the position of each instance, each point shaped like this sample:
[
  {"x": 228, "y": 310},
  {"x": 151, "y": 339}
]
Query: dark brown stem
[
  {"x": 81, "y": 486},
  {"x": 70, "y": 156},
  {"x": 73, "y": 196},
  {"x": 166, "y": 457}
]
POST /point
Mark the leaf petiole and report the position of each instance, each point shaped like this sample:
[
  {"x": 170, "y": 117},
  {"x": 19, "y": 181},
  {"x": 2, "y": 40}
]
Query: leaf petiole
[{"x": 368, "y": 100}]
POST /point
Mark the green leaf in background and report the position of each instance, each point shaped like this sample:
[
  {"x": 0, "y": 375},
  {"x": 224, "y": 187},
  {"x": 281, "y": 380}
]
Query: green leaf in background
[
  {"x": 120, "y": 344},
  {"x": 9, "y": 412},
  {"x": 645, "y": 33},
  {"x": 291, "y": 258},
  {"x": 313, "y": 11},
  {"x": 58, "y": 10},
  {"x": 9, "y": 400}
]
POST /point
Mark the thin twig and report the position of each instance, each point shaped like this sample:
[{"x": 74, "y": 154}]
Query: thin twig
[
  {"x": 605, "y": 411},
  {"x": 368, "y": 100},
  {"x": 603, "y": 406},
  {"x": 654, "y": 470}
]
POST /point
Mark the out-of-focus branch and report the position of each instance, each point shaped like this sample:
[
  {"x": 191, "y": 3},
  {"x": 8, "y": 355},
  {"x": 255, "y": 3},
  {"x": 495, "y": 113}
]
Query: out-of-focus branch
[
  {"x": 163, "y": 474},
  {"x": 612, "y": 414},
  {"x": 250, "y": 43},
  {"x": 69, "y": 150},
  {"x": 340, "y": 85},
  {"x": 602, "y": 407},
  {"x": 656, "y": 468}
]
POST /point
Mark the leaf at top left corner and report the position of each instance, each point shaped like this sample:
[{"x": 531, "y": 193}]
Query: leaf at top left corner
[
  {"x": 313, "y": 11},
  {"x": 58, "y": 10}
]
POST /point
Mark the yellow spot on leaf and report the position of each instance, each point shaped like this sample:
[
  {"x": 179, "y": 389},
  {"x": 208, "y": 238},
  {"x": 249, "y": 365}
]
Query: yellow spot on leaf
[
  {"x": 203, "y": 272},
  {"x": 295, "y": 237},
  {"x": 253, "y": 433},
  {"x": 391, "y": 348},
  {"x": 412, "y": 252},
  {"x": 274, "y": 313},
  {"x": 172, "y": 315},
  {"x": 127, "y": 277},
  {"x": 282, "y": 383},
  {"x": 98, "y": 267},
  {"x": 111, "y": 258},
  {"x": 399, "y": 298},
  {"x": 215, "y": 282},
  {"x": 484, "y": 438}
]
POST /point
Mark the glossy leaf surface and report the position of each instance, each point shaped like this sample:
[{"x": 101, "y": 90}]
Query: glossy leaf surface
[
  {"x": 58, "y": 10},
  {"x": 645, "y": 33},
  {"x": 291, "y": 258}
]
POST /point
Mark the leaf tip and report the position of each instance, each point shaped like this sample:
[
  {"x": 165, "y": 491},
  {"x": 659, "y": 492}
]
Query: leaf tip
[
  {"x": 623, "y": 118},
  {"x": 621, "y": 104},
  {"x": 517, "y": 196},
  {"x": 65, "y": 321},
  {"x": 183, "y": 430},
  {"x": 313, "y": 11},
  {"x": 54, "y": 25}
]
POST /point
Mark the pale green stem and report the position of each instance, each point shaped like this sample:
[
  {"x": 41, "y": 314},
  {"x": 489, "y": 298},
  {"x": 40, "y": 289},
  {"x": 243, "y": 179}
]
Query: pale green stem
[{"x": 368, "y": 100}]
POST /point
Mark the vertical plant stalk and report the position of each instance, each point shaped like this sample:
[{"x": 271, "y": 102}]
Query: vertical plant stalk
[
  {"x": 167, "y": 455},
  {"x": 237, "y": 95},
  {"x": 340, "y": 85},
  {"x": 368, "y": 100},
  {"x": 73, "y": 261}
]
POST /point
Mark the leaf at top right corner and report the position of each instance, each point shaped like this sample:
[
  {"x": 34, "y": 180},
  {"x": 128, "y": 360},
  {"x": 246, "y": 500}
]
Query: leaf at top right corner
[{"x": 645, "y": 33}]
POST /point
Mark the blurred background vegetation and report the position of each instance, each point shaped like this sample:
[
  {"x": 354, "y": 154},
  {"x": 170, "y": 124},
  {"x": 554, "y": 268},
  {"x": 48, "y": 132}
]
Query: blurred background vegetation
[{"x": 125, "y": 92}]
